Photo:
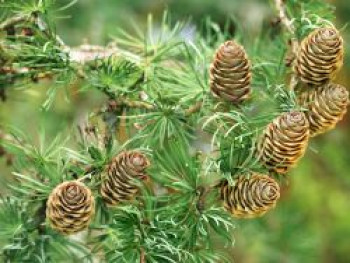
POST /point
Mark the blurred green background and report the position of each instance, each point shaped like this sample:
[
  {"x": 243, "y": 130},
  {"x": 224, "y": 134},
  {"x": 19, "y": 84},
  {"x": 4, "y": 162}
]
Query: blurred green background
[{"x": 312, "y": 221}]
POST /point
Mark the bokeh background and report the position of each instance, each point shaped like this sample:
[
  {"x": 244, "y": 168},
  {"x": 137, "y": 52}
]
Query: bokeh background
[{"x": 312, "y": 221}]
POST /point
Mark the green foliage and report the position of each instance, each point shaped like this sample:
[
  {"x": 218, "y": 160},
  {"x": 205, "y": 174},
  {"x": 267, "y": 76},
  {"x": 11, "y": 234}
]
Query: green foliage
[
  {"x": 158, "y": 81},
  {"x": 161, "y": 126},
  {"x": 176, "y": 168},
  {"x": 116, "y": 77},
  {"x": 309, "y": 15},
  {"x": 23, "y": 237},
  {"x": 12, "y": 216}
]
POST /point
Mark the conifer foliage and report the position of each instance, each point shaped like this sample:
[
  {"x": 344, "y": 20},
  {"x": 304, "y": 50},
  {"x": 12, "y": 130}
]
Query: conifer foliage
[{"x": 138, "y": 178}]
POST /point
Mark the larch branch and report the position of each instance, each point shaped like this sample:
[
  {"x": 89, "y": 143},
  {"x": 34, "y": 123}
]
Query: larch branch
[
  {"x": 195, "y": 108},
  {"x": 288, "y": 24},
  {"x": 13, "y": 21},
  {"x": 142, "y": 256},
  {"x": 281, "y": 8}
]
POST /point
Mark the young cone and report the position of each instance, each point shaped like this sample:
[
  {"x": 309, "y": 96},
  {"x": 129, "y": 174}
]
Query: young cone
[
  {"x": 70, "y": 207},
  {"x": 320, "y": 56},
  {"x": 230, "y": 73},
  {"x": 250, "y": 197},
  {"x": 284, "y": 141},
  {"x": 119, "y": 182},
  {"x": 326, "y": 106}
]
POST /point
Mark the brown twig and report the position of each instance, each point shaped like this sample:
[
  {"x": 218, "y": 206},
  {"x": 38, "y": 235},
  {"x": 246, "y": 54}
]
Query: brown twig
[
  {"x": 3, "y": 153},
  {"x": 120, "y": 102},
  {"x": 81, "y": 54},
  {"x": 288, "y": 24},
  {"x": 13, "y": 21},
  {"x": 195, "y": 108},
  {"x": 280, "y": 6},
  {"x": 203, "y": 192},
  {"x": 142, "y": 256},
  {"x": 86, "y": 53}
]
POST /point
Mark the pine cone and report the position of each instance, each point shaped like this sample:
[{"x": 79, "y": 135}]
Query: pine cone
[
  {"x": 320, "y": 56},
  {"x": 284, "y": 141},
  {"x": 119, "y": 179},
  {"x": 250, "y": 197},
  {"x": 230, "y": 74},
  {"x": 70, "y": 207},
  {"x": 326, "y": 106}
]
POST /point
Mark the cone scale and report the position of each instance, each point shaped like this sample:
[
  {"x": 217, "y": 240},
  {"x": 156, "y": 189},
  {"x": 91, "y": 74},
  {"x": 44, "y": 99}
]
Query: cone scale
[
  {"x": 70, "y": 207},
  {"x": 250, "y": 197},
  {"x": 230, "y": 73},
  {"x": 326, "y": 106},
  {"x": 284, "y": 141},
  {"x": 119, "y": 182},
  {"x": 320, "y": 56}
]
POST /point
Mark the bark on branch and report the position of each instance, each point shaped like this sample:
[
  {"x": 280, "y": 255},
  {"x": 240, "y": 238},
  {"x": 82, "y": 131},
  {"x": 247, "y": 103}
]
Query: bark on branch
[
  {"x": 13, "y": 21},
  {"x": 288, "y": 24},
  {"x": 142, "y": 256}
]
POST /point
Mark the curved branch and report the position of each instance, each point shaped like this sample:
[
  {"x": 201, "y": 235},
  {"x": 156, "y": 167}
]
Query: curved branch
[
  {"x": 114, "y": 104},
  {"x": 142, "y": 256},
  {"x": 13, "y": 21},
  {"x": 195, "y": 108},
  {"x": 86, "y": 53},
  {"x": 283, "y": 16},
  {"x": 287, "y": 23},
  {"x": 294, "y": 44}
]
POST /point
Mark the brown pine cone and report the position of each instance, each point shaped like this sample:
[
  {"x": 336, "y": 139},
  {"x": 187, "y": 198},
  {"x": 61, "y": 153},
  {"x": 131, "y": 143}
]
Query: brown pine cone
[
  {"x": 326, "y": 106},
  {"x": 119, "y": 181},
  {"x": 284, "y": 141},
  {"x": 230, "y": 73},
  {"x": 70, "y": 207},
  {"x": 320, "y": 56},
  {"x": 250, "y": 197}
]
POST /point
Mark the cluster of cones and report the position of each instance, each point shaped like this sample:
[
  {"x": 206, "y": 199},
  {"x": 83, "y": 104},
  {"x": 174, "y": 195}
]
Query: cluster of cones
[
  {"x": 71, "y": 205},
  {"x": 285, "y": 139}
]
